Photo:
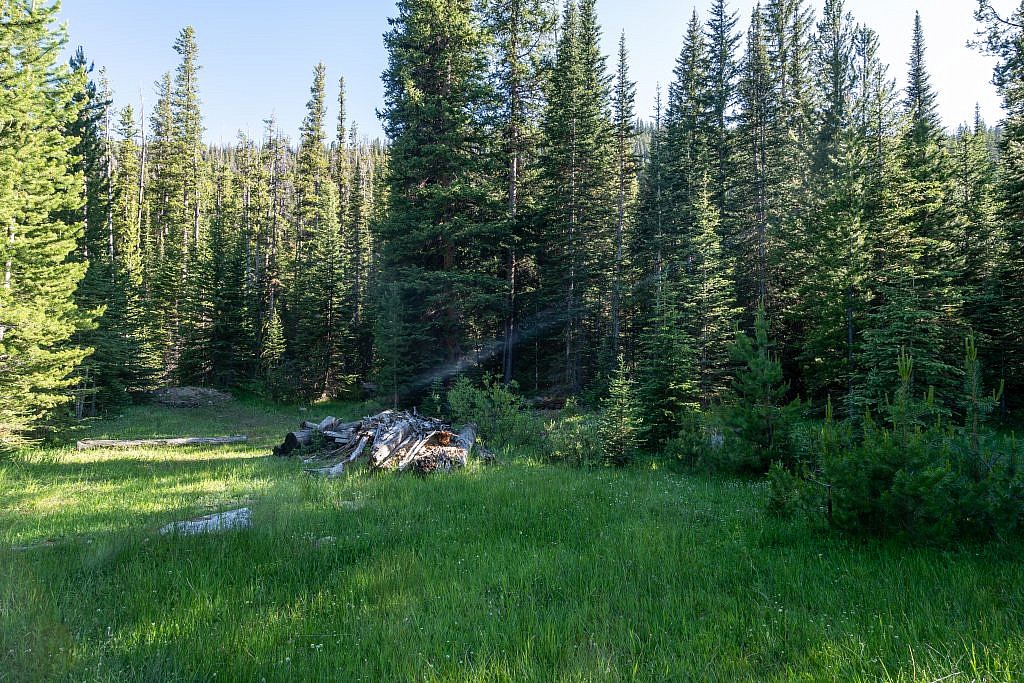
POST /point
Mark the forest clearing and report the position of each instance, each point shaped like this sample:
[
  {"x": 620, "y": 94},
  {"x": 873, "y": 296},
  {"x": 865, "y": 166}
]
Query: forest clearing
[
  {"x": 516, "y": 572},
  {"x": 514, "y": 345}
]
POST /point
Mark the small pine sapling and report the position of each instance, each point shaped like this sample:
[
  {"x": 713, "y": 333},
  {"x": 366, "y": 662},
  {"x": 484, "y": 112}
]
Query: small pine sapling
[
  {"x": 621, "y": 418},
  {"x": 757, "y": 412},
  {"x": 977, "y": 406}
]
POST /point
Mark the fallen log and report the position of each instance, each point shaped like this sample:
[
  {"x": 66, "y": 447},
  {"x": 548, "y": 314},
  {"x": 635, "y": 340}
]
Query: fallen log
[
  {"x": 87, "y": 444},
  {"x": 332, "y": 472},
  {"x": 222, "y": 521},
  {"x": 467, "y": 438}
]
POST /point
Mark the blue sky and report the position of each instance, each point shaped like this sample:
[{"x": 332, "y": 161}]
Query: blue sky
[{"x": 258, "y": 55}]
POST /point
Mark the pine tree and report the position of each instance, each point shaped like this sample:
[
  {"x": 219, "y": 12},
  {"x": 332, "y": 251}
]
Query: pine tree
[
  {"x": 230, "y": 338},
  {"x": 163, "y": 248},
  {"x": 577, "y": 171},
  {"x": 974, "y": 197},
  {"x": 1003, "y": 38},
  {"x": 361, "y": 249},
  {"x": 649, "y": 265},
  {"x": 723, "y": 70},
  {"x": 272, "y": 349},
  {"x": 38, "y": 314},
  {"x": 709, "y": 301},
  {"x": 274, "y": 281},
  {"x": 253, "y": 244},
  {"x": 832, "y": 288},
  {"x": 391, "y": 343},
  {"x": 688, "y": 139},
  {"x": 137, "y": 324},
  {"x": 621, "y": 418},
  {"x": 890, "y": 251},
  {"x": 342, "y": 161},
  {"x": 647, "y": 247},
  {"x": 668, "y": 368},
  {"x": 757, "y": 412},
  {"x": 753, "y": 241},
  {"x": 521, "y": 43},
  {"x": 342, "y": 158},
  {"x": 100, "y": 381},
  {"x": 440, "y": 240},
  {"x": 787, "y": 48},
  {"x": 177, "y": 189},
  {"x": 189, "y": 166},
  {"x": 939, "y": 330},
  {"x": 188, "y": 126},
  {"x": 626, "y": 168},
  {"x": 774, "y": 138},
  {"x": 321, "y": 328},
  {"x": 696, "y": 265}
]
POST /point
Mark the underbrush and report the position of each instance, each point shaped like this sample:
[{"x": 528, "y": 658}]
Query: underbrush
[{"x": 905, "y": 468}]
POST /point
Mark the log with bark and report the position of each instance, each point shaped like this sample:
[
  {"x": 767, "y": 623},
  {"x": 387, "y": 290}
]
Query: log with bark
[
  {"x": 393, "y": 440},
  {"x": 87, "y": 444}
]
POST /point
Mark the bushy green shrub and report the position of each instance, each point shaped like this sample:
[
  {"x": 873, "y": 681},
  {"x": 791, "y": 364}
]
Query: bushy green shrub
[
  {"x": 434, "y": 403},
  {"x": 574, "y": 438},
  {"x": 913, "y": 473},
  {"x": 499, "y": 412},
  {"x": 791, "y": 494},
  {"x": 699, "y": 439},
  {"x": 931, "y": 484}
]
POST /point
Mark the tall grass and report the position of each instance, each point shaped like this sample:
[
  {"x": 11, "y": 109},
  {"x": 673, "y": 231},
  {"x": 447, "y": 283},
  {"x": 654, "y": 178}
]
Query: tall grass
[{"x": 518, "y": 572}]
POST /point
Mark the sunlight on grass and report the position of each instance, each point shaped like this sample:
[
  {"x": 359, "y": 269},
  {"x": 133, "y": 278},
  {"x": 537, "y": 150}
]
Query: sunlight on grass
[{"x": 508, "y": 573}]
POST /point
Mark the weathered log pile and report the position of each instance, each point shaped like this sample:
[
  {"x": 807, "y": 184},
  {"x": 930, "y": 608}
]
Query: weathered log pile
[{"x": 393, "y": 440}]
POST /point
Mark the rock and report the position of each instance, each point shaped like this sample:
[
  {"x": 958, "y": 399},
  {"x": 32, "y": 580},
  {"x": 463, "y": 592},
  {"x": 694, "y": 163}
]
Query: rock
[
  {"x": 325, "y": 541},
  {"x": 222, "y": 521}
]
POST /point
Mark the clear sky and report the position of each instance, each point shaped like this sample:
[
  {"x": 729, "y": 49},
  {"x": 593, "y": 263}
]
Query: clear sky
[{"x": 258, "y": 55}]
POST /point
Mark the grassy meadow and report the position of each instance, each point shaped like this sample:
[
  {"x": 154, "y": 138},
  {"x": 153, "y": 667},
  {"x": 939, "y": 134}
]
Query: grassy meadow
[{"x": 516, "y": 572}]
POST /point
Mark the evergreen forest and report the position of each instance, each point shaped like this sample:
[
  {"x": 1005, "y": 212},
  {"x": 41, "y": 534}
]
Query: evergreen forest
[
  {"x": 791, "y": 237},
  {"x": 570, "y": 388}
]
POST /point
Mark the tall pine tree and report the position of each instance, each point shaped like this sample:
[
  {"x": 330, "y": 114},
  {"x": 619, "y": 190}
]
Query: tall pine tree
[
  {"x": 1003, "y": 37},
  {"x": 578, "y": 172},
  {"x": 318, "y": 296},
  {"x": 38, "y": 185},
  {"x": 440, "y": 243}
]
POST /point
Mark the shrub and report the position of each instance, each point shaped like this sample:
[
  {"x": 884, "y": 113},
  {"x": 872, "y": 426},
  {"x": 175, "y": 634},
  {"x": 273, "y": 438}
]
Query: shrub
[
  {"x": 699, "y": 439},
  {"x": 497, "y": 410},
  {"x": 915, "y": 474},
  {"x": 790, "y": 494},
  {"x": 434, "y": 404},
  {"x": 574, "y": 438},
  {"x": 931, "y": 484}
]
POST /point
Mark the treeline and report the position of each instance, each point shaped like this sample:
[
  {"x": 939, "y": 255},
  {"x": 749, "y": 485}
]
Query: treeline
[
  {"x": 520, "y": 221},
  {"x": 246, "y": 266},
  {"x": 535, "y": 230}
]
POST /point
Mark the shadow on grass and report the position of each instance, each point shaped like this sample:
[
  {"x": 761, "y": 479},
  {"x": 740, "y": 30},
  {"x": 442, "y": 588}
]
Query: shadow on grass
[{"x": 513, "y": 573}]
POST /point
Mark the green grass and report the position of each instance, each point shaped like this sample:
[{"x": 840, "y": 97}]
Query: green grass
[{"x": 519, "y": 572}]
